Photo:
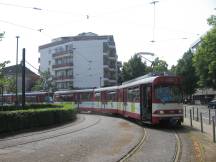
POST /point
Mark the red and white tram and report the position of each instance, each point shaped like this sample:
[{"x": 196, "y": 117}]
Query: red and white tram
[
  {"x": 31, "y": 97},
  {"x": 149, "y": 98}
]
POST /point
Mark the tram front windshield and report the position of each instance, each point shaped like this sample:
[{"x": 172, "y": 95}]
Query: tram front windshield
[{"x": 168, "y": 93}]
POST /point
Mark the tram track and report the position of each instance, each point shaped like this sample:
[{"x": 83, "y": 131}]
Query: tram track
[
  {"x": 135, "y": 148},
  {"x": 177, "y": 150},
  {"x": 49, "y": 137}
]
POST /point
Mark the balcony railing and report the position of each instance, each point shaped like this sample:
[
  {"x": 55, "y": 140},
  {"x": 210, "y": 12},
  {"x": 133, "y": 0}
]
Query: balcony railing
[
  {"x": 63, "y": 77},
  {"x": 60, "y": 53},
  {"x": 62, "y": 65}
]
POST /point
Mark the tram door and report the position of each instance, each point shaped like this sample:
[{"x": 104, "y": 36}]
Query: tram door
[
  {"x": 146, "y": 102},
  {"x": 124, "y": 101}
]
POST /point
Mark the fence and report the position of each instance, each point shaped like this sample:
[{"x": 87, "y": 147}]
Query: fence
[{"x": 204, "y": 117}]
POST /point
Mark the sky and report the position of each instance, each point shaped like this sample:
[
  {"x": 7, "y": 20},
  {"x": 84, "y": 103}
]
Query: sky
[{"x": 173, "y": 24}]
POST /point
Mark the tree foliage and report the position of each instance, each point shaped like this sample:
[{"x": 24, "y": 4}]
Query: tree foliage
[
  {"x": 212, "y": 20},
  {"x": 159, "y": 65},
  {"x": 1, "y": 35},
  {"x": 3, "y": 79},
  {"x": 133, "y": 68},
  {"x": 204, "y": 60},
  {"x": 11, "y": 84},
  {"x": 45, "y": 82},
  {"x": 185, "y": 69}
]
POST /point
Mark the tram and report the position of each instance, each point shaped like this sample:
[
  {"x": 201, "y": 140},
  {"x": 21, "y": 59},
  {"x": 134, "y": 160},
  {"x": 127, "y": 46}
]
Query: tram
[
  {"x": 151, "y": 99},
  {"x": 31, "y": 97}
]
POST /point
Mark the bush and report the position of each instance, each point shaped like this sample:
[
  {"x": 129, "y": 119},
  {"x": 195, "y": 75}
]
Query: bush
[
  {"x": 32, "y": 106},
  {"x": 30, "y": 118}
]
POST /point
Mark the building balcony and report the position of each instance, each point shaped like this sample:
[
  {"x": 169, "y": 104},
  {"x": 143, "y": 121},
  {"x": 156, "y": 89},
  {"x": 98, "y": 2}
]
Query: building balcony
[
  {"x": 62, "y": 53},
  {"x": 63, "y": 77},
  {"x": 57, "y": 66},
  {"x": 112, "y": 57},
  {"x": 106, "y": 66},
  {"x": 111, "y": 44}
]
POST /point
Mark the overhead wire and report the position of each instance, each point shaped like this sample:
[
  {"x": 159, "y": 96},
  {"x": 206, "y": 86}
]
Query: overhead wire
[{"x": 97, "y": 15}]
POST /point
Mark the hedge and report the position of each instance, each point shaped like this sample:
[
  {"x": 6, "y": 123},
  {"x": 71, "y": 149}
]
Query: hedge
[
  {"x": 25, "y": 119},
  {"x": 32, "y": 106}
]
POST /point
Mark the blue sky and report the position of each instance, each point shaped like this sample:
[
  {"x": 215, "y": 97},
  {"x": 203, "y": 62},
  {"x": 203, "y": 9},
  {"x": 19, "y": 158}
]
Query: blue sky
[{"x": 178, "y": 23}]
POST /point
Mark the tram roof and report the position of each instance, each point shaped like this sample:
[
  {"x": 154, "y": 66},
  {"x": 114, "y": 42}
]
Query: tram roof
[
  {"x": 72, "y": 91},
  {"x": 26, "y": 93},
  {"x": 107, "y": 89},
  {"x": 138, "y": 82}
]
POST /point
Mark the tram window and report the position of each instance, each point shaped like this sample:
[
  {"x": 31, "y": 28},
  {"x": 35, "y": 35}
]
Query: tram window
[
  {"x": 120, "y": 95},
  {"x": 86, "y": 96},
  {"x": 168, "y": 93},
  {"x": 97, "y": 96},
  {"x": 111, "y": 96},
  {"x": 104, "y": 96},
  {"x": 133, "y": 94}
]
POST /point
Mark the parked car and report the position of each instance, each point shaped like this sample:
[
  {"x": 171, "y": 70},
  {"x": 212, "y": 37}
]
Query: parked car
[{"x": 212, "y": 104}]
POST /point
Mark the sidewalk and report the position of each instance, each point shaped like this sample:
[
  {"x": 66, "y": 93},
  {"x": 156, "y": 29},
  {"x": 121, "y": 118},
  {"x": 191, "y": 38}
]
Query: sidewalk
[{"x": 208, "y": 129}]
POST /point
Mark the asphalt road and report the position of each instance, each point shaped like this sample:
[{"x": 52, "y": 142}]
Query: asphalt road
[{"x": 93, "y": 138}]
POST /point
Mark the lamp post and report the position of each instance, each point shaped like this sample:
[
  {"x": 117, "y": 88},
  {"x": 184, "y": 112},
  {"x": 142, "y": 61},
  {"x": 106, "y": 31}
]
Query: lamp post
[
  {"x": 16, "y": 102},
  {"x": 153, "y": 39}
]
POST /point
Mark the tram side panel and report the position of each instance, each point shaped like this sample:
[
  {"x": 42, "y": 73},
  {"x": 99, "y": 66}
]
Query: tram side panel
[{"x": 86, "y": 101}]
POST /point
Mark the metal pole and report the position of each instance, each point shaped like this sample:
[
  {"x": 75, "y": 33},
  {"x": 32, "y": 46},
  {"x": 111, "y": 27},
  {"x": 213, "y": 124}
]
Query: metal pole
[
  {"x": 215, "y": 116},
  {"x": 209, "y": 116},
  {"x": 197, "y": 114},
  {"x": 191, "y": 119},
  {"x": 2, "y": 89},
  {"x": 193, "y": 112},
  {"x": 153, "y": 36},
  {"x": 16, "y": 101},
  {"x": 100, "y": 82},
  {"x": 185, "y": 112},
  {"x": 201, "y": 122},
  {"x": 213, "y": 127},
  {"x": 23, "y": 78}
]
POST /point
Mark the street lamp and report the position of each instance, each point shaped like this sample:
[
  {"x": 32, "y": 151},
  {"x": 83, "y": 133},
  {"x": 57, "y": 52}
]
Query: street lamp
[
  {"x": 17, "y": 37},
  {"x": 153, "y": 39}
]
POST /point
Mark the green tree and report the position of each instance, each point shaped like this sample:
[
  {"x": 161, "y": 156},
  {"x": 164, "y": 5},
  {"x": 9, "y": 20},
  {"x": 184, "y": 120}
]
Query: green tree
[
  {"x": 3, "y": 79},
  {"x": 204, "y": 59},
  {"x": 212, "y": 20},
  {"x": 1, "y": 35},
  {"x": 45, "y": 82},
  {"x": 11, "y": 84},
  {"x": 159, "y": 65},
  {"x": 133, "y": 68},
  {"x": 185, "y": 69}
]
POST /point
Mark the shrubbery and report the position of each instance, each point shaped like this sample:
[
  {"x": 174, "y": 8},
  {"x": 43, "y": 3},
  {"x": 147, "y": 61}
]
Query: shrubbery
[
  {"x": 35, "y": 117},
  {"x": 33, "y": 106}
]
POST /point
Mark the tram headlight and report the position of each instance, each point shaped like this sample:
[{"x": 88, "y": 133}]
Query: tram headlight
[{"x": 161, "y": 112}]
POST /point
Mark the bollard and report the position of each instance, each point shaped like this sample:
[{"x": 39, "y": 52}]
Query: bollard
[
  {"x": 201, "y": 122},
  {"x": 197, "y": 114},
  {"x": 213, "y": 126},
  {"x": 209, "y": 116},
  {"x": 185, "y": 112},
  {"x": 193, "y": 112},
  {"x": 191, "y": 119},
  {"x": 215, "y": 116}
]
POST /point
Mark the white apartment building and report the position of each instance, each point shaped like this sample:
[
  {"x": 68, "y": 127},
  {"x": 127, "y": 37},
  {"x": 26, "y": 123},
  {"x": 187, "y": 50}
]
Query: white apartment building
[{"x": 83, "y": 61}]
